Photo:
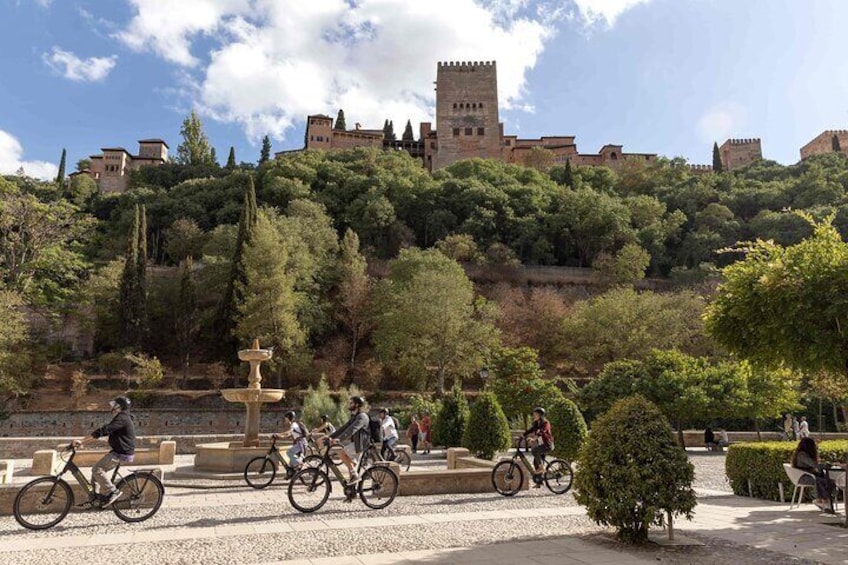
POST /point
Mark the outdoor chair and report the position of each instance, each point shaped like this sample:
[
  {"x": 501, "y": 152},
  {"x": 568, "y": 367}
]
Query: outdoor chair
[{"x": 801, "y": 480}]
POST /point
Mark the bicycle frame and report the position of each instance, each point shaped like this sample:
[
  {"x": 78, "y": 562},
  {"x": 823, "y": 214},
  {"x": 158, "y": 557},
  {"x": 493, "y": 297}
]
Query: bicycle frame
[
  {"x": 71, "y": 467},
  {"x": 520, "y": 455}
]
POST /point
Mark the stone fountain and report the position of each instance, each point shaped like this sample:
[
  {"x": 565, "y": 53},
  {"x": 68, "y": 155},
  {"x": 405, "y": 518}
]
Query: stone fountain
[{"x": 231, "y": 457}]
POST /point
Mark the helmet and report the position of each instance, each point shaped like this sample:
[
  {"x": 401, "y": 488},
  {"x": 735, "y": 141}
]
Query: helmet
[
  {"x": 324, "y": 418},
  {"x": 540, "y": 411},
  {"x": 385, "y": 411},
  {"x": 120, "y": 402},
  {"x": 358, "y": 400},
  {"x": 290, "y": 415}
]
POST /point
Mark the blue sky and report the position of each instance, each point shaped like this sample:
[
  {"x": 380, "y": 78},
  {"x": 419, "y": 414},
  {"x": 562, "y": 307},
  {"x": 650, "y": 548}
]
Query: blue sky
[{"x": 665, "y": 76}]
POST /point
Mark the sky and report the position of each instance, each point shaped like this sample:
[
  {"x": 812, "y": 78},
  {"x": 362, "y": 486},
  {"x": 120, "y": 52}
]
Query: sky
[{"x": 657, "y": 76}]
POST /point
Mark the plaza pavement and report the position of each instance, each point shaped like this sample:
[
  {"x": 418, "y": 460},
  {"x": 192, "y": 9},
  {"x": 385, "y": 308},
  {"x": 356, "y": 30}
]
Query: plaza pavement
[{"x": 235, "y": 524}]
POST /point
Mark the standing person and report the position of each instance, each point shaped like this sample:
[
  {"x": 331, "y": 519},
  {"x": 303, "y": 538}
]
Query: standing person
[
  {"x": 787, "y": 427},
  {"x": 121, "y": 434},
  {"x": 297, "y": 431},
  {"x": 389, "y": 434},
  {"x": 803, "y": 428},
  {"x": 796, "y": 428},
  {"x": 424, "y": 434},
  {"x": 724, "y": 440},
  {"x": 541, "y": 429},
  {"x": 806, "y": 458},
  {"x": 412, "y": 432},
  {"x": 355, "y": 435}
]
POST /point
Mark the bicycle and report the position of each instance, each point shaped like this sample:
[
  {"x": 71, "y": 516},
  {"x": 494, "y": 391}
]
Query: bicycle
[
  {"x": 310, "y": 488},
  {"x": 261, "y": 471},
  {"x": 508, "y": 476},
  {"x": 373, "y": 455},
  {"x": 44, "y": 502}
]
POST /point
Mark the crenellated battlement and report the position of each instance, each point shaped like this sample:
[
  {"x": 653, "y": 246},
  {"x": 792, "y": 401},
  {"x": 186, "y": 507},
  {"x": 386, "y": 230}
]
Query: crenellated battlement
[
  {"x": 836, "y": 131},
  {"x": 466, "y": 65},
  {"x": 746, "y": 141},
  {"x": 700, "y": 168}
]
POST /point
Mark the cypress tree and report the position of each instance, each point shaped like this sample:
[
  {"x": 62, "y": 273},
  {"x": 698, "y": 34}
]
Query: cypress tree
[
  {"x": 386, "y": 129},
  {"x": 717, "y": 165},
  {"x": 392, "y": 136},
  {"x": 340, "y": 121},
  {"x": 60, "y": 178},
  {"x": 231, "y": 159},
  {"x": 568, "y": 175},
  {"x": 186, "y": 314},
  {"x": 265, "y": 154},
  {"x": 128, "y": 293},
  {"x": 834, "y": 142},
  {"x": 408, "y": 135},
  {"x": 214, "y": 157}
]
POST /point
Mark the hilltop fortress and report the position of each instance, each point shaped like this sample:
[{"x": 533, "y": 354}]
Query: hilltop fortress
[{"x": 467, "y": 125}]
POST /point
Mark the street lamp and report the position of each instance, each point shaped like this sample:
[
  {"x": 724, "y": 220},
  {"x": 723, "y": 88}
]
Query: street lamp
[{"x": 484, "y": 376}]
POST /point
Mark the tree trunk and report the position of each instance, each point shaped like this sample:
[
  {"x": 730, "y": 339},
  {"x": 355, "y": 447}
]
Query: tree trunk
[
  {"x": 757, "y": 429},
  {"x": 680, "y": 435},
  {"x": 835, "y": 415},
  {"x": 441, "y": 383}
]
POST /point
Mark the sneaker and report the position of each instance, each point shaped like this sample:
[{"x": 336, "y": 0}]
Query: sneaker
[{"x": 115, "y": 496}]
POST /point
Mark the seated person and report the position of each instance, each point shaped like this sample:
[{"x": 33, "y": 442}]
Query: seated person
[
  {"x": 806, "y": 458},
  {"x": 326, "y": 427},
  {"x": 723, "y": 441},
  {"x": 709, "y": 439}
]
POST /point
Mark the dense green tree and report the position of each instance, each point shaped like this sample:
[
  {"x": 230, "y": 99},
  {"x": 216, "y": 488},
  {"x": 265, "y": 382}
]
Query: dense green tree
[
  {"x": 408, "y": 134},
  {"x": 567, "y": 426},
  {"x": 214, "y": 158},
  {"x": 447, "y": 334},
  {"x": 340, "y": 124},
  {"x": 83, "y": 164},
  {"x": 265, "y": 154},
  {"x": 231, "y": 159},
  {"x": 195, "y": 148},
  {"x": 718, "y": 167},
  {"x": 460, "y": 247},
  {"x": 186, "y": 319},
  {"x": 130, "y": 289},
  {"x": 81, "y": 189},
  {"x": 353, "y": 297},
  {"x": 631, "y": 474},
  {"x": 184, "y": 239},
  {"x": 518, "y": 382},
  {"x": 14, "y": 373},
  {"x": 449, "y": 425},
  {"x": 487, "y": 431},
  {"x": 625, "y": 267},
  {"x": 60, "y": 177},
  {"x": 769, "y": 393}
]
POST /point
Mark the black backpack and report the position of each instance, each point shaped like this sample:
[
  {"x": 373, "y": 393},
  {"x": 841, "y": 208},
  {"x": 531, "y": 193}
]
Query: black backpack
[{"x": 376, "y": 428}]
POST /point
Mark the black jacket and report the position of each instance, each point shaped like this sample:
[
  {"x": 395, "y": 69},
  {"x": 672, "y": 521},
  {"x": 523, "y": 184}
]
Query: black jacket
[
  {"x": 357, "y": 429},
  {"x": 121, "y": 432}
]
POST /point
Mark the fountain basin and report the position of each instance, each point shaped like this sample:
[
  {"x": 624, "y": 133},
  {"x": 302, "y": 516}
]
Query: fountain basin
[
  {"x": 226, "y": 457},
  {"x": 252, "y": 394},
  {"x": 255, "y": 354}
]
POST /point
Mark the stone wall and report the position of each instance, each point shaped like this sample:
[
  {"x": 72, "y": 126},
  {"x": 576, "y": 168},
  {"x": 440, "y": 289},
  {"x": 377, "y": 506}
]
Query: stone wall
[
  {"x": 823, "y": 143},
  {"x": 736, "y": 153}
]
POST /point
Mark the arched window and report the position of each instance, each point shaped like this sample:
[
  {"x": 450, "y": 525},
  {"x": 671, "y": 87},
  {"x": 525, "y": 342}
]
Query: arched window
[{"x": 613, "y": 156}]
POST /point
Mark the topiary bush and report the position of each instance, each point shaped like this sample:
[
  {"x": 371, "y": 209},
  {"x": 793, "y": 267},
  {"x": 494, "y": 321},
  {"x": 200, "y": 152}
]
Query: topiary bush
[
  {"x": 631, "y": 471},
  {"x": 487, "y": 430},
  {"x": 567, "y": 426},
  {"x": 762, "y": 464},
  {"x": 449, "y": 424}
]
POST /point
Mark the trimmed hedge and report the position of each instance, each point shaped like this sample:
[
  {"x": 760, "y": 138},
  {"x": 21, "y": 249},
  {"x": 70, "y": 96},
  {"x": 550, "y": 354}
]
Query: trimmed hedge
[
  {"x": 487, "y": 431},
  {"x": 568, "y": 427},
  {"x": 762, "y": 464}
]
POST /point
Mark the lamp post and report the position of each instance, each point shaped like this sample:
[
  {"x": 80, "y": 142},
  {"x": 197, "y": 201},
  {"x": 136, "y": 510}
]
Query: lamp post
[{"x": 484, "y": 376}]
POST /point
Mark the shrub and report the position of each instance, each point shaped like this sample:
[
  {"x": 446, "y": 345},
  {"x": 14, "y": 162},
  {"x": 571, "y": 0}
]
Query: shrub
[
  {"x": 319, "y": 401},
  {"x": 148, "y": 371},
  {"x": 568, "y": 427},
  {"x": 631, "y": 471},
  {"x": 487, "y": 430},
  {"x": 449, "y": 425},
  {"x": 79, "y": 387},
  {"x": 762, "y": 464},
  {"x": 112, "y": 363},
  {"x": 216, "y": 374}
]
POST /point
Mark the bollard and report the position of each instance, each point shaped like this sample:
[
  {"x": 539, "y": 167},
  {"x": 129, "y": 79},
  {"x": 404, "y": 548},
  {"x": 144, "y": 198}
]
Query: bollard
[
  {"x": 750, "y": 489},
  {"x": 780, "y": 488}
]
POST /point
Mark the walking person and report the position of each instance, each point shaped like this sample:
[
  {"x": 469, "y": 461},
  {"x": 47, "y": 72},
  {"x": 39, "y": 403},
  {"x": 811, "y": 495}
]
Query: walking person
[
  {"x": 389, "y": 434},
  {"x": 788, "y": 434},
  {"x": 803, "y": 428},
  {"x": 424, "y": 434},
  {"x": 121, "y": 434},
  {"x": 412, "y": 432},
  {"x": 796, "y": 428}
]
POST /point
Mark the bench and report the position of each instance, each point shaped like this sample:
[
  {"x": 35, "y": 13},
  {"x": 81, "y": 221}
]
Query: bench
[
  {"x": 47, "y": 461},
  {"x": 7, "y": 470}
]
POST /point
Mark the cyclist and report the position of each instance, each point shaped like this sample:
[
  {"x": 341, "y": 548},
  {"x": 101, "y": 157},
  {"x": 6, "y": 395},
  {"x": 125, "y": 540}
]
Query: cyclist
[
  {"x": 355, "y": 435},
  {"x": 389, "y": 433},
  {"x": 297, "y": 431},
  {"x": 121, "y": 434},
  {"x": 424, "y": 433},
  {"x": 326, "y": 426},
  {"x": 541, "y": 429}
]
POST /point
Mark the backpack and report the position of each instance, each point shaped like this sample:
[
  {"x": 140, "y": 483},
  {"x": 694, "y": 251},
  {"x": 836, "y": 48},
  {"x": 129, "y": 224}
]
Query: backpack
[{"x": 376, "y": 429}]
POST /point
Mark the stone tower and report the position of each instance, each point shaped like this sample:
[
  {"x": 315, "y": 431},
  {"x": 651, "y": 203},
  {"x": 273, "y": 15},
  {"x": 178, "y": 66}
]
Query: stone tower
[
  {"x": 736, "y": 153},
  {"x": 467, "y": 121}
]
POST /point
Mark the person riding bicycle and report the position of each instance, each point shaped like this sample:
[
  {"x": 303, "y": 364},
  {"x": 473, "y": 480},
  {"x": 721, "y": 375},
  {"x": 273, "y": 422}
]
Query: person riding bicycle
[
  {"x": 326, "y": 427},
  {"x": 297, "y": 431},
  {"x": 389, "y": 434},
  {"x": 541, "y": 429},
  {"x": 355, "y": 436},
  {"x": 121, "y": 434}
]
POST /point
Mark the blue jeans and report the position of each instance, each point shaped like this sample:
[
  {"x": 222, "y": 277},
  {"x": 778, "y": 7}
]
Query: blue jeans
[{"x": 294, "y": 451}]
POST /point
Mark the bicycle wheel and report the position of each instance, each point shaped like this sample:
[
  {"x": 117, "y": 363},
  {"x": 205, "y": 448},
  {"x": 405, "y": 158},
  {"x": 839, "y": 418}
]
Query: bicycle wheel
[
  {"x": 558, "y": 476},
  {"x": 142, "y": 495},
  {"x": 260, "y": 472},
  {"x": 314, "y": 461},
  {"x": 309, "y": 489},
  {"x": 378, "y": 487},
  {"x": 507, "y": 478},
  {"x": 43, "y": 503},
  {"x": 403, "y": 460}
]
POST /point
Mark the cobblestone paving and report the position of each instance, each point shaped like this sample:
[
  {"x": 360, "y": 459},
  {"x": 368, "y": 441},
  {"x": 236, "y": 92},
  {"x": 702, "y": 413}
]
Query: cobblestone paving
[{"x": 235, "y": 524}]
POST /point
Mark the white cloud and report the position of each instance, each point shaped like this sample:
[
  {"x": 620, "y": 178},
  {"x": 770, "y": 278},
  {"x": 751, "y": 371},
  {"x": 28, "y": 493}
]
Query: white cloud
[
  {"x": 44, "y": 3},
  {"x": 595, "y": 11},
  {"x": 720, "y": 122},
  {"x": 81, "y": 70},
  {"x": 11, "y": 159},
  {"x": 266, "y": 64}
]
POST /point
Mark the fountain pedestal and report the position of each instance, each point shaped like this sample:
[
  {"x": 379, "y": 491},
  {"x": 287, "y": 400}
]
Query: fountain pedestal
[{"x": 232, "y": 457}]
